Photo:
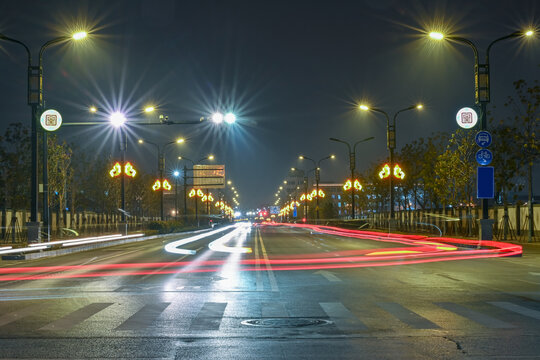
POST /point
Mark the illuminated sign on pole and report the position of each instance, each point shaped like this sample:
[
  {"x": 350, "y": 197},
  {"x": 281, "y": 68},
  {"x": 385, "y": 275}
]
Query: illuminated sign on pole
[
  {"x": 50, "y": 120},
  {"x": 467, "y": 118}
]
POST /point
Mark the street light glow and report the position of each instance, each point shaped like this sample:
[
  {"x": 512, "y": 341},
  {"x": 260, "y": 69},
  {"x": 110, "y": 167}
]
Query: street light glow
[
  {"x": 180, "y": 140},
  {"x": 149, "y": 109},
  {"x": 80, "y": 35},
  {"x": 92, "y": 109},
  {"x": 529, "y": 32},
  {"x": 301, "y": 157},
  {"x": 364, "y": 107},
  {"x": 210, "y": 157},
  {"x": 176, "y": 173},
  {"x": 217, "y": 117},
  {"x": 117, "y": 119},
  {"x": 419, "y": 106},
  {"x": 141, "y": 141},
  {"x": 230, "y": 118},
  {"x": 436, "y": 35},
  {"x": 332, "y": 156}
]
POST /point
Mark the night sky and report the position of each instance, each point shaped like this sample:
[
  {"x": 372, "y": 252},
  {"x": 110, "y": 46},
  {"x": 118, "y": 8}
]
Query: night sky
[{"x": 292, "y": 71}]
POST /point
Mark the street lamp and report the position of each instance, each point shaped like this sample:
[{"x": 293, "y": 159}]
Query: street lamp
[
  {"x": 317, "y": 165},
  {"x": 35, "y": 100},
  {"x": 352, "y": 165},
  {"x": 218, "y": 118},
  {"x": 193, "y": 163},
  {"x": 118, "y": 119},
  {"x": 391, "y": 145},
  {"x": 161, "y": 166},
  {"x": 176, "y": 173},
  {"x": 482, "y": 98}
]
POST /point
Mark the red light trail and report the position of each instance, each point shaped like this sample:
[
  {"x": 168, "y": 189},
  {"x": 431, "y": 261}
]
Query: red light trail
[{"x": 417, "y": 249}]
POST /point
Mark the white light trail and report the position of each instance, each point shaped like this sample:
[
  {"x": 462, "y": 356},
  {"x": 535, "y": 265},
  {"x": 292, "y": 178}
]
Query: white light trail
[
  {"x": 22, "y": 250},
  {"x": 173, "y": 247},
  {"x": 104, "y": 237},
  {"x": 242, "y": 230},
  {"x": 75, "y": 243}
]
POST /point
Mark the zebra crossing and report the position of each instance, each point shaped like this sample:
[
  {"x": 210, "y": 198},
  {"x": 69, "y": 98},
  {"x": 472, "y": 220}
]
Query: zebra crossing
[{"x": 160, "y": 317}]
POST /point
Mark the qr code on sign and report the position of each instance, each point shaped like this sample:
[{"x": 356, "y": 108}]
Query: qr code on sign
[
  {"x": 50, "y": 120},
  {"x": 466, "y": 118}
]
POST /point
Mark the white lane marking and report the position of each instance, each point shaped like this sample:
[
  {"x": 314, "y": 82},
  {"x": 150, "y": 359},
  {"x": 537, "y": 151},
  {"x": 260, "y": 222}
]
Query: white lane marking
[
  {"x": 271, "y": 276},
  {"x": 18, "y": 314},
  {"x": 89, "y": 261},
  {"x": 76, "y": 317},
  {"x": 528, "y": 282},
  {"x": 475, "y": 316},
  {"x": 328, "y": 275},
  {"x": 259, "y": 282},
  {"x": 342, "y": 317},
  {"x": 173, "y": 246},
  {"x": 517, "y": 309}
]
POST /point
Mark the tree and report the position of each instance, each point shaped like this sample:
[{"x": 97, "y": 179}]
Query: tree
[
  {"x": 525, "y": 106},
  {"x": 60, "y": 173},
  {"x": 15, "y": 166}
]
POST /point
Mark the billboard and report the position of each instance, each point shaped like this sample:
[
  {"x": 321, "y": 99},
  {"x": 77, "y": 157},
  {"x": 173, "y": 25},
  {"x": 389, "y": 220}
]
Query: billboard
[{"x": 209, "y": 176}]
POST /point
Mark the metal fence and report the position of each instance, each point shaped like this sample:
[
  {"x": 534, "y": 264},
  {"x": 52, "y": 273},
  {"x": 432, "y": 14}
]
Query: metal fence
[{"x": 462, "y": 222}]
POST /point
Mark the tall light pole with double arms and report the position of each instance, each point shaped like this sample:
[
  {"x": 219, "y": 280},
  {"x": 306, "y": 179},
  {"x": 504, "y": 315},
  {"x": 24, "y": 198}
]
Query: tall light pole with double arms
[
  {"x": 193, "y": 163},
  {"x": 35, "y": 100},
  {"x": 161, "y": 166},
  {"x": 391, "y": 145},
  {"x": 352, "y": 165},
  {"x": 482, "y": 98},
  {"x": 317, "y": 165}
]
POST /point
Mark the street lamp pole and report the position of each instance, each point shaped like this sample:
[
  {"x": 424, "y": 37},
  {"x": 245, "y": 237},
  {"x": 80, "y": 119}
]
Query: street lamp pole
[
  {"x": 482, "y": 98},
  {"x": 352, "y": 166},
  {"x": 209, "y": 157},
  {"x": 161, "y": 169},
  {"x": 176, "y": 174},
  {"x": 35, "y": 100},
  {"x": 391, "y": 145},
  {"x": 185, "y": 192},
  {"x": 317, "y": 178}
]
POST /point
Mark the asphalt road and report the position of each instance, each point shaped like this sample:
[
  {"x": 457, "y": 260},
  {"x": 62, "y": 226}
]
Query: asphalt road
[{"x": 257, "y": 293}]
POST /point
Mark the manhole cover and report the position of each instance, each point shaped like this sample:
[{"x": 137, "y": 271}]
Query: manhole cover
[{"x": 286, "y": 322}]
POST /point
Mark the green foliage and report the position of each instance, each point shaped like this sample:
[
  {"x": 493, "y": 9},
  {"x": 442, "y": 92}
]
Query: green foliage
[
  {"x": 60, "y": 172},
  {"x": 15, "y": 166},
  {"x": 456, "y": 168},
  {"x": 166, "y": 227}
]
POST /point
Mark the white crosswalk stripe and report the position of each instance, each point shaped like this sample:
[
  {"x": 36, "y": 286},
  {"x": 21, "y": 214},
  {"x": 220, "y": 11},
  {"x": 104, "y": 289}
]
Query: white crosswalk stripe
[{"x": 212, "y": 316}]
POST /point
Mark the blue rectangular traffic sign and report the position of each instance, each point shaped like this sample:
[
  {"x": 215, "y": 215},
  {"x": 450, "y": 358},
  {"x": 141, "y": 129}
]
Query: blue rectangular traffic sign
[{"x": 485, "y": 182}]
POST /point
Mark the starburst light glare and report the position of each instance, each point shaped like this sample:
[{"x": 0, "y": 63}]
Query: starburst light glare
[
  {"x": 529, "y": 32},
  {"x": 117, "y": 119},
  {"x": 436, "y": 35},
  {"x": 364, "y": 107},
  {"x": 80, "y": 35},
  {"x": 217, "y": 117},
  {"x": 230, "y": 118}
]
